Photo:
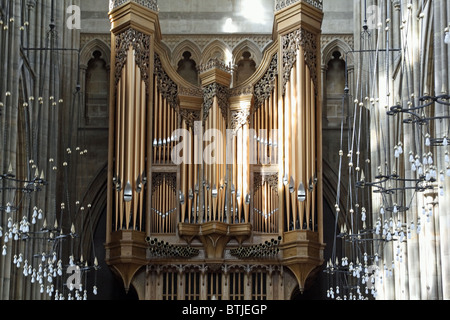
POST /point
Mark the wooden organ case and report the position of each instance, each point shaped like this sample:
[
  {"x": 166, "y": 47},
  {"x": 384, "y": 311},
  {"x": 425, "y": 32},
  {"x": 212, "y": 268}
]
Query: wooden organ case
[{"x": 214, "y": 191}]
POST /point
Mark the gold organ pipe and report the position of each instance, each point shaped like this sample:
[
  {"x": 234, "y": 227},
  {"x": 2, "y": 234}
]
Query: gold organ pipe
[
  {"x": 267, "y": 118},
  {"x": 143, "y": 150},
  {"x": 287, "y": 137},
  {"x": 185, "y": 180},
  {"x": 173, "y": 213},
  {"x": 280, "y": 158},
  {"x": 235, "y": 178},
  {"x": 303, "y": 131},
  {"x": 172, "y": 129},
  {"x": 155, "y": 118},
  {"x": 222, "y": 168},
  {"x": 215, "y": 168},
  {"x": 209, "y": 192},
  {"x": 168, "y": 209},
  {"x": 164, "y": 218},
  {"x": 161, "y": 207},
  {"x": 314, "y": 154},
  {"x": 130, "y": 132},
  {"x": 220, "y": 176},
  {"x": 256, "y": 206},
  {"x": 168, "y": 130},
  {"x": 264, "y": 206},
  {"x": 207, "y": 176},
  {"x": 297, "y": 142},
  {"x": 188, "y": 175},
  {"x": 195, "y": 213},
  {"x": 270, "y": 126},
  {"x": 164, "y": 123},
  {"x": 246, "y": 159},
  {"x": 258, "y": 133},
  {"x": 119, "y": 137},
  {"x": 122, "y": 146},
  {"x": 240, "y": 180},
  {"x": 275, "y": 120},
  {"x": 160, "y": 109},
  {"x": 136, "y": 139},
  {"x": 255, "y": 133},
  {"x": 309, "y": 146}
]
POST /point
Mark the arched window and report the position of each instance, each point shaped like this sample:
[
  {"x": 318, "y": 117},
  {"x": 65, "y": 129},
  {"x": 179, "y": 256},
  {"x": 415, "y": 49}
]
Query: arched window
[
  {"x": 97, "y": 91},
  {"x": 334, "y": 89},
  {"x": 187, "y": 68},
  {"x": 245, "y": 68}
]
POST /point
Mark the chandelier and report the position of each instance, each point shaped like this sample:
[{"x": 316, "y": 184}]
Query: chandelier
[
  {"x": 45, "y": 230},
  {"x": 391, "y": 163}
]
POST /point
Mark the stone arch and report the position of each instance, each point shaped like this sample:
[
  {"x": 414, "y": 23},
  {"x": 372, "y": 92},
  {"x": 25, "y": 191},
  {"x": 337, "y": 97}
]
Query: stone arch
[
  {"x": 332, "y": 104},
  {"x": 217, "y": 49},
  {"x": 96, "y": 90},
  {"x": 337, "y": 45},
  {"x": 185, "y": 59},
  {"x": 187, "y": 68},
  {"x": 181, "y": 48},
  {"x": 246, "y": 59},
  {"x": 247, "y": 46},
  {"x": 88, "y": 50}
]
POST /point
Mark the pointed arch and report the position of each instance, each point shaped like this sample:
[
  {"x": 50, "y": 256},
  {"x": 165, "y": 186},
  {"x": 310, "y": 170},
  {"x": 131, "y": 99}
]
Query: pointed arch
[
  {"x": 182, "y": 47},
  {"x": 337, "y": 45},
  {"x": 89, "y": 48},
  {"x": 251, "y": 47},
  {"x": 217, "y": 49}
]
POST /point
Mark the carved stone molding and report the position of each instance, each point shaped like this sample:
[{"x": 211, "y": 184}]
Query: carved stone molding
[
  {"x": 166, "y": 86},
  {"x": 241, "y": 91},
  {"x": 150, "y": 4},
  {"x": 239, "y": 118},
  {"x": 291, "y": 44},
  {"x": 265, "y": 86},
  {"x": 158, "y": 178},
  {"x": 191, "y": 92},
  {"x": 88, "y": 37},
  {"x": 259, "y": 178},
  {"x": 190, "y": 116},
  {"x": 222, "y": 93},
  {"x": 231, "y": 41},
  {"x": 281, "y": 4},
  {"x": 201, "y": 267},
  {"x": 326, "y": 39},
  {"x": 141, "y": 45},
  {"x": 214, "y": 64}
]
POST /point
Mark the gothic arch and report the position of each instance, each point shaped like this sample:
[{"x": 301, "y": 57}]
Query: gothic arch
[
  {"x": 337, "y": 45},
  {"x": 250, "y": 46},
  {"x": 217, "y": 49},
  {"x": 181, "y": 48},
  {"x": 92, "y": 46}
]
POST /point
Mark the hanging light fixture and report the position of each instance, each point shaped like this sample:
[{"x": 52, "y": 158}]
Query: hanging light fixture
[
  {"x": 51, "y": 259},
  {"x": 375, "y": 214}
]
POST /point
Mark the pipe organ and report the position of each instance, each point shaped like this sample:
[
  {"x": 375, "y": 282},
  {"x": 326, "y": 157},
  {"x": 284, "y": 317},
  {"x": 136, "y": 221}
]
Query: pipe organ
[{"x": 214, "y": 191}]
